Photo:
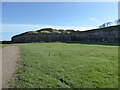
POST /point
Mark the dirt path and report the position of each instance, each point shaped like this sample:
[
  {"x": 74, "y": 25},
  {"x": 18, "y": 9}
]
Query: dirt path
[{"x": 10, "y": 55}]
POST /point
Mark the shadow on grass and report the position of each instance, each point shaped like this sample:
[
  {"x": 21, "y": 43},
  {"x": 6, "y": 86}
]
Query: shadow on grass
[
  {"x": 79, "y": 42},
  {"x": 95, "y": 43}
]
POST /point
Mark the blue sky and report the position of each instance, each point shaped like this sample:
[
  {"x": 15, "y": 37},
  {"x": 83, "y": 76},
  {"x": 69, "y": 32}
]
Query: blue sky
[{"x": 18, "y": 17}]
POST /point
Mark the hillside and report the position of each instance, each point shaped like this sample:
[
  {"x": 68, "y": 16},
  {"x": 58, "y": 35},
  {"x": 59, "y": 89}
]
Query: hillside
[{"x": 62, "y": 31}]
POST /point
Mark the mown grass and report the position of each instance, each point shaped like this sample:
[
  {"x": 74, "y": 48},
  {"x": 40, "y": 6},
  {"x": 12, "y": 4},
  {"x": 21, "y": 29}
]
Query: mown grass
[
  {"x": 66, "y": 65},
  {"x": 3, "y": 45},
  {"x": 0, "y": 45}
]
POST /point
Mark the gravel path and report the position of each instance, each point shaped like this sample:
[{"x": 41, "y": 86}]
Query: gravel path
[{"x": 10, "y": 55}]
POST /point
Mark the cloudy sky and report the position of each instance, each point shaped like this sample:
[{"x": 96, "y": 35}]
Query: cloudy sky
[{"x": 18, "y": 17}]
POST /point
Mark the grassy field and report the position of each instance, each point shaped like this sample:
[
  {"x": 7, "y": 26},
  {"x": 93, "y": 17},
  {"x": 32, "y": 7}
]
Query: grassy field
[
  {"x": 1, "y": 45},
  {"x": 67, "y": 65}
]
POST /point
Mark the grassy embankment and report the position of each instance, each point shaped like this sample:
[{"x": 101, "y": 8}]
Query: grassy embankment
[{"x": 67, "y": 65}]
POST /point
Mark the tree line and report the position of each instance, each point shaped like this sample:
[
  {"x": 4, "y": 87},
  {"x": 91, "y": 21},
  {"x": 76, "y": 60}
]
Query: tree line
[{"x": 110, "y": 23}]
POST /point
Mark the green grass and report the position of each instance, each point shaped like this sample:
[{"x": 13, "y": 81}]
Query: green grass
[
  {"x": 67, "y": 65},
  {"x": 0, "y": 45},
  {"x": 4, "y": 45}
]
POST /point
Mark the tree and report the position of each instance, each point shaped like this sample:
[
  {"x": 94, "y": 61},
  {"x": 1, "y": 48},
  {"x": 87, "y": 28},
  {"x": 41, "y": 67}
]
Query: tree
[
  {"x": 105, "y": 25},
  {"x": 118, "y": 22},
  {"x": 108, "y": 23},
  {"x": 47, "y": 29},
  {"x": 102, "y": 26},
  {"x": 70, "y": 30},
  {"x": 61, "y": 30}
]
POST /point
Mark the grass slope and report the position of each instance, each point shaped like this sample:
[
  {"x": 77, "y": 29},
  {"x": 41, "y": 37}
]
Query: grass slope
[{"x": 65, "y": 65}]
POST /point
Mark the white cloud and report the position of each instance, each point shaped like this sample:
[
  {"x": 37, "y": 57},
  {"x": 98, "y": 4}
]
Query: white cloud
[
  {"x": 94, "y": 19},
  {"x": 30, "y": 27}
]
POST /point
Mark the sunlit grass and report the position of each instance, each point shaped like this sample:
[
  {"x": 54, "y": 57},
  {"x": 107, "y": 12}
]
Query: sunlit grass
[{"x": 67, "y": 65}]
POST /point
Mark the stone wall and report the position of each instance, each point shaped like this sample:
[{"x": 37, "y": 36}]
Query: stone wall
[
  {"x": 42, "y": 38},
  {"x": 109, "y": 34}
]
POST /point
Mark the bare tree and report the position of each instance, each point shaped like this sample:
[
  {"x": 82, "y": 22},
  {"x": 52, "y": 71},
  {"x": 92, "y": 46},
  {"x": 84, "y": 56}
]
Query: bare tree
[
  {"x": 118, "y": 22},
  {"x": 108, "y": 23},
  {"x": 102, "y": 26},
  {"x": 105, "y": 25}
]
